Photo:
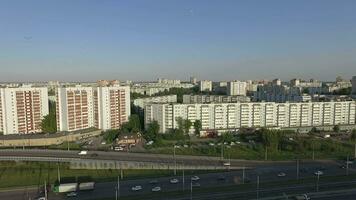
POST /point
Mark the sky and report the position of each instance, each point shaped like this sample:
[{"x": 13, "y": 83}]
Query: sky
[{"x": 88, "y": 40}]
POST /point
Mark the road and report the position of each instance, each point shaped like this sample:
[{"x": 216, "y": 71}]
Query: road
[{"x": 266, "y": 173}]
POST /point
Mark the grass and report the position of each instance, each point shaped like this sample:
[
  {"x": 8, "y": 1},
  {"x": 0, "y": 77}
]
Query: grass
[{"x": 20, "y": 174}]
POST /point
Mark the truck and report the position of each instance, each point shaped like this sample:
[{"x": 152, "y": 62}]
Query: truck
[
  {"x": 82, "y": 153},
  {"x": 86, "y": 186},
  {"x": 66, "y": 187}
]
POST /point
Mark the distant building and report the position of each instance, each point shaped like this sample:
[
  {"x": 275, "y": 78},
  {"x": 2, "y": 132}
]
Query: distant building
[
  {"x": 128, "y": 139},
  {"x": 205, "y": 86},
  {"x": 22, "y": 109},
  {"x": 354, "y": 85},
  {"x": 140, "y": 103},
  {"x": 193, "y": 80},
  {"x": 214, "y": 99},
  {"x": 232, "y": 116},
  {"x": 236, "y": 88}
]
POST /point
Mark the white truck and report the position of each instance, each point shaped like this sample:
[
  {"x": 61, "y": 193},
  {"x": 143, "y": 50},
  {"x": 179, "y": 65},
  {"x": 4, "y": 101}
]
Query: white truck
[
  {"x": 87, "y": 186},
  {"x": 66, "y": 187}
]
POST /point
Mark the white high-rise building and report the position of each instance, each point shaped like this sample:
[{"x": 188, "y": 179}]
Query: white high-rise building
[
  {"x": 225, "y": 116},
  {"x": 236, "y": 88},
  {"x": 104, "y": 107},
  {"x": 22, "y": 109},
  {"x": 205, "y": 85},
  {"x": 354, "y": 85},
  {"x": 74, "y": 108},
  {"x": 112, "y": 106}
]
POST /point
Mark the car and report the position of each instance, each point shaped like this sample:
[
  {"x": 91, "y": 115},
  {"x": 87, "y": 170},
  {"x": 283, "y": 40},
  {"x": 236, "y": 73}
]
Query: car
[
  {"x": 319, "y": 173},
  {"x": 156, "y": 189},
  {"x": 118, "y": 148},
  {"x": 227, "y": 164},
  {"x": 195, "y": 184},
  {"x": 81, "y": 153},
  {"x": 343, "y": 166},
  {"x": 72, "y": 194},
  {"x": 153, "y": 182},
  {"x": 211, "y": 144},
  {"x": 103, "y": 143},
  {"x": 41, "y": 198},
  {"x": 302, "y": 197},
  {"x": 221, "y": 178},
  {"x": 174, "y": 181},
  {"x": 195, "y": 178},
  {"x": 136, "y": 188},
  {"x": 281, "y": 174},
  {"x": 149, "y": 143}
]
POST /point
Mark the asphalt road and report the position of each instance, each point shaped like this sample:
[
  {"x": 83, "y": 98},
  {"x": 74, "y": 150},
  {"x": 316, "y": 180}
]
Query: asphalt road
[{"x": 266, "y": 173}]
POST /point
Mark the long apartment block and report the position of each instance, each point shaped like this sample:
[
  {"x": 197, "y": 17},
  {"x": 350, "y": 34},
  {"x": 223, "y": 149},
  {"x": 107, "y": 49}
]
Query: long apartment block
[
  {"x": 103, "y": 107},
  {"x": 22, "y": 109},
  {"x": 220, "y": 116}
]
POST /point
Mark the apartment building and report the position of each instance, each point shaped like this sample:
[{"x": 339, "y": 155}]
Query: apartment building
[
  {"x": 104, "y": 107},
  {"x": 236, "y": 88},
  {"x": 22, "y": 109},
  {"x": 214, "y": 99},
  {"x": 74, "y": 108},
  {"x": 205, "y": 86},
  {"x": 140, "y": 103},
  {"x": 224, "y": 116}
]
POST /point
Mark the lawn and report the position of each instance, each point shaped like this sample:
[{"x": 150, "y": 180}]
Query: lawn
[{"x": 18, "y": 174}]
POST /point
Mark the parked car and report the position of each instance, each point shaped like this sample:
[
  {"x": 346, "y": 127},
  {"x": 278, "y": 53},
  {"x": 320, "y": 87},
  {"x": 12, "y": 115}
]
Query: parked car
[
  {"x": 118, "y": 148},
  {"x": 319, "y": 173}
]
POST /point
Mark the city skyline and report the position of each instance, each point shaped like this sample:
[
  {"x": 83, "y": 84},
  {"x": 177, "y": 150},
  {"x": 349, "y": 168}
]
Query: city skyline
[{"x": 136, "y": 40}]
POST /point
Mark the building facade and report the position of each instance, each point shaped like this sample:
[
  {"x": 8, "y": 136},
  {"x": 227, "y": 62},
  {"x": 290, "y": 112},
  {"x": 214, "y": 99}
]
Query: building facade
[
  {"x": 354, "y": 85},
  {"x": 187, "y": 98},
  {"x": 236, "y": 88},
  {"x": 103, "y": 107},
  {"x": 205, "y": 86},
  {"x": 225, "y": 116},
  {"x": 22, "y": 109},
  {"x": 140, "y": 103}
]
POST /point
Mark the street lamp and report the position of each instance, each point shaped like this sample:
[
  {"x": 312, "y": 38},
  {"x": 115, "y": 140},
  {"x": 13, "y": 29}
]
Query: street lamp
[{"x": 174, "y": 157}]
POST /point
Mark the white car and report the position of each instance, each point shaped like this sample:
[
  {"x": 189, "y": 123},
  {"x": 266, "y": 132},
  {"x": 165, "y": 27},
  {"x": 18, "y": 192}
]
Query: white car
[
  {"x": 136, "y": 188},
  {"x": 103, "y": 143},
  {"x": 118, "y": 149},
  {"x": 174, "y": 181},
  {"x": 81, "y": 153},
  {"x": 156, "y": 189},
  {"x": 281, "y": 174},
  {"x": 72, "y": 194},
  {"x": 41, "y": 198},
  {"x": 318, "y": 173},
  {"x": 211, "y": 144},
  {"x": 226, "y": 163},
  {"x": 195, "y": 178}
]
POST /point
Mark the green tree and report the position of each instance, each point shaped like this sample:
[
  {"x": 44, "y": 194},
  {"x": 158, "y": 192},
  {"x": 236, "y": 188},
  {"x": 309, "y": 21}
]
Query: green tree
[
  {"x": 197, "y": 127},
  {"x": 336, "y": 128},
  {"x": 353, "y": 136},
  {"x": 134, "y": 124},
  {"x": 49, "y": 122},
  {"x": 186, "y": 125},
  {"x": 227, "y": 137},
  {"x": 110, "y": 135},
  {"x": 152, "y": 131}
]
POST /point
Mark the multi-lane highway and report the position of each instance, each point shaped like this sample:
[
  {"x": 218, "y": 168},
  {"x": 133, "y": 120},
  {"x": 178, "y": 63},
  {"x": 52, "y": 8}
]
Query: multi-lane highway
[{"x": 266, "y": 171}]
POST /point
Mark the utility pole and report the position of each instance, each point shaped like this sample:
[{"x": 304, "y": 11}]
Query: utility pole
[
  {"x": 222, "y": 151},
  {"x": 314, "y": 152},
  {"x": 297, "y": 169},
  {"x": 175, "y": 162},
  {"x": 118, "y": 187},
  {"x": 183, "y": 179},
  {"x": 317, "y": 182},
  {"x": 347, "y": 165},
  {"x": 45, "y": 188},
  {"x": 58, "y": 173},
  {"x": 355, "y": 150},
  {"x": 243, "y": 175},
  {"x": 67, "y": 142},
  {"x": 258, "y": 187},
  {"x": 191, "y": 189}
]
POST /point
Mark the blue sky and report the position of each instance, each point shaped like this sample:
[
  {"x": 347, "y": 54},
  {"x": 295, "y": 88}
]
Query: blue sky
[{"x": 142, "y": 40}]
